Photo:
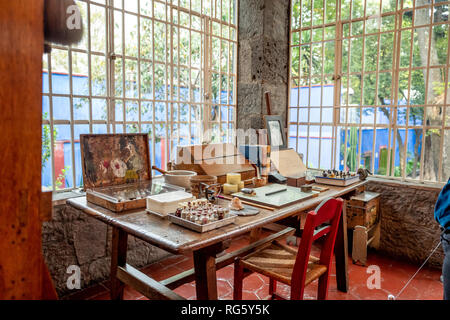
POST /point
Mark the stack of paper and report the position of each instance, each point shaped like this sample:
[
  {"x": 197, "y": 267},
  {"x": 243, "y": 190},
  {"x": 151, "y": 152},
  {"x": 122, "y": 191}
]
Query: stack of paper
[{"x": 166, "y": 203}]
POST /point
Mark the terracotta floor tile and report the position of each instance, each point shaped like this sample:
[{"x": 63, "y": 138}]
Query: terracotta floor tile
[
  {"x": 163, "y": 273},
  {"x": 263, "y": 292},
  {"x": 154, "y": 267},
  {"x": 186, "y": 291},
  {"x": 228, "y": 296},
  {"x": 186, "y": 264},
  {"x": 173, "y": 260},
  {"x": 226, "y": 273},
  {"x": 131, "y": 294},
  {"x": 254, "y": 282},
  {"x": 224, "y": 287},
  {"x": 249, "y": 295}
]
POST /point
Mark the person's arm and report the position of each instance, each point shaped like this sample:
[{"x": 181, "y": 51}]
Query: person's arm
[{"x": 442, "y": 208}]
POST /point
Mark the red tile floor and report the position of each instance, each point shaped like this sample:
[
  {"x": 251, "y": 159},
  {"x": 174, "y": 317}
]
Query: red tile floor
[{"x": 394, "y": 275}]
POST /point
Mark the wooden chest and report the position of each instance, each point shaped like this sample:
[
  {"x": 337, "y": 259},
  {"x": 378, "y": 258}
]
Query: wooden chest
[
  {"x": 363, "y": 210},
  {"x": 214, "y": 160},
  {"x": 116, "y": 171}
]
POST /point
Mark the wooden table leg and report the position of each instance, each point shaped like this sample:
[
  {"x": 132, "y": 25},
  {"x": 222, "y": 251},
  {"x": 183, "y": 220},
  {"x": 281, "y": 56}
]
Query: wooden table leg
[
  {"x": 341, "y": 253},
  {"x": 255, "y": 235},
  {"x": 118, "y": 258},
  {"x": 205, "y": 272}
]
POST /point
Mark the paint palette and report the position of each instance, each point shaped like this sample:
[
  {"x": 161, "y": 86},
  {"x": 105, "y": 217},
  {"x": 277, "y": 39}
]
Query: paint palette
[
  {"x": 116, "y": 171},
  {"x": 129, "y": 196}
]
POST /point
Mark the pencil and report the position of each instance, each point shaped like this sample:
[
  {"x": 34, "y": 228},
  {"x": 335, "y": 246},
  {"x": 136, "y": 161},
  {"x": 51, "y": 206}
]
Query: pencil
[{"x": 275, "y": 192}]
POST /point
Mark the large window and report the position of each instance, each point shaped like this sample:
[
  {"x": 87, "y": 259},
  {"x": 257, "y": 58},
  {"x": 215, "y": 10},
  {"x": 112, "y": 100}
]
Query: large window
[
  {"x": 369, "y": 86},
  {"x": 167, "y": 68}
]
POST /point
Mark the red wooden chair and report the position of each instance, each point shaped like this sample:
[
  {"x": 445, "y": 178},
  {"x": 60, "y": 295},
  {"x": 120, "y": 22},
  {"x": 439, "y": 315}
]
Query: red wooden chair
[{"x": 296, "y": 268}]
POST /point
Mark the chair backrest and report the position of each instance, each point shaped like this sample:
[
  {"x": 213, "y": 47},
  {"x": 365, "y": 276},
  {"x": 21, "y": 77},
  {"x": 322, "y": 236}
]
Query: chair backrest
[{"x": 329, "y": 210}]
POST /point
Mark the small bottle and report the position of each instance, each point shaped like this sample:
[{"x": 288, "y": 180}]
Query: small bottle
[{"x": 221, "y": 214}]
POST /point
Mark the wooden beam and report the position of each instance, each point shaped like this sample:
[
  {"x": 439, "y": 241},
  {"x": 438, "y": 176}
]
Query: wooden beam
[
  {"x": 21, "y": 49},
  {"x": 149, "y": 287}
]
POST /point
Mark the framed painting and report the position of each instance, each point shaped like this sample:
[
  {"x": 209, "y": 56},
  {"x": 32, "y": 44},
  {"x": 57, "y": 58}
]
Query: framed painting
[{"x": 275, "y": 132}]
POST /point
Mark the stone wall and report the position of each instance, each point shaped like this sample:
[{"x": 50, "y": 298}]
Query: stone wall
[
  {"x": 73, "y": 238},
  {"x": 408, "y": 228},
  {"x": 263, "y": 60}
]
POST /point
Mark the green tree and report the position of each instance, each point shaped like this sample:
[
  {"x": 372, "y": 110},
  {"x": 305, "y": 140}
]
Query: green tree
[{"x": 375, "y": 53}]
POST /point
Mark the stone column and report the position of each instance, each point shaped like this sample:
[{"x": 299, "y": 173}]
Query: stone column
[{"x": 263, "y": 60}]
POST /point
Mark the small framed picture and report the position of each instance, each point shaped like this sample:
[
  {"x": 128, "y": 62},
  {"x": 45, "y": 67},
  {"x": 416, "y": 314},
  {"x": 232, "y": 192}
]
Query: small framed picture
[{"x": 275, "y": 132}]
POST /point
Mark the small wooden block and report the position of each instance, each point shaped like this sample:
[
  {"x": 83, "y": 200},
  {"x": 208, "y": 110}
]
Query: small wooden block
[
  {"x": 296, "y": 182},
  {"x": 359, "y": 250}
]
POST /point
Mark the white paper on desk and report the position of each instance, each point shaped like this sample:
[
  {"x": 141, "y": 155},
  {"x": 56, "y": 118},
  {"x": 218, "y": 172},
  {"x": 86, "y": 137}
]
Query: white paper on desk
[{"x": 288, "y": 163}]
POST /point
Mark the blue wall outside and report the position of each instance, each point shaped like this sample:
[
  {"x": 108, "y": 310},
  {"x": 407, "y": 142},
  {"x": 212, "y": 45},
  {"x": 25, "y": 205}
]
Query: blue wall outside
[{"x": 382, "y": 135}]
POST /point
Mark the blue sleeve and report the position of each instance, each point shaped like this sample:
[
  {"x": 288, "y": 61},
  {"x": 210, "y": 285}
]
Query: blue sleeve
[{"x": 442, "y": 208}]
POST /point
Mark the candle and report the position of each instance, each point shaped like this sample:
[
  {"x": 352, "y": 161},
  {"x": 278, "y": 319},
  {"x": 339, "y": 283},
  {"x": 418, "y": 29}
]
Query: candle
[
  {"x": 230, "y": 188},
  {"x": 234, "y": 178}
]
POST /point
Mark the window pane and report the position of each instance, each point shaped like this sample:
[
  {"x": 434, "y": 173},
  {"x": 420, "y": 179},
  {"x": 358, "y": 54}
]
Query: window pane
[
  {"x": 98, "y": 28},
  {"x": 432, "y": 149}
]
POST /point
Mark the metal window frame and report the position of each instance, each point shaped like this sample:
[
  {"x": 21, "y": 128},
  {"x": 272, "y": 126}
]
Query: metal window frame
[
  {"x": 201, "y": 110},
  {"x": 340, "y": 76}
]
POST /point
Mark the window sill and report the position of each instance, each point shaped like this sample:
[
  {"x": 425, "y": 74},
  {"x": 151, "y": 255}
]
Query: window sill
[
  {"x": 409, "y": 184},
  {"x": 60, "y": 198}
]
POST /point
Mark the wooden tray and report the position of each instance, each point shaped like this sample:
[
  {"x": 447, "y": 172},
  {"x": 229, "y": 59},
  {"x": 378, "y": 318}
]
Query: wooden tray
[
  {"x": 202, "y": 228},
  {"x": 336, "y": 181},
  {"x": 106, "y": 197}
]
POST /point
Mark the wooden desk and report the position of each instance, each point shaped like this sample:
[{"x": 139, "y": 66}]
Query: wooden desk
[{"x": 204, "y": 247}]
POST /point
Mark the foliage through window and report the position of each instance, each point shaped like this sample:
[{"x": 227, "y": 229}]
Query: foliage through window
[
  {"x": 166, "y": 68},
  {"x": 369, "y": 86}
]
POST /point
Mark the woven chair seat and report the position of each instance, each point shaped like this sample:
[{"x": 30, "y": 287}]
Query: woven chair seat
[{"x": 277, "y": 260}]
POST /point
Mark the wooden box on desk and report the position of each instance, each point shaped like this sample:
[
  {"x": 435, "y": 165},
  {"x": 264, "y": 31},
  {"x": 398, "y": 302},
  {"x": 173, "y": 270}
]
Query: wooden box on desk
[
  {"x": 295, "y": 181},
  {"x": 214, "y": 160},
  {"x": 363, "y": 210},
  {"x": 116, "y": 171}
]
